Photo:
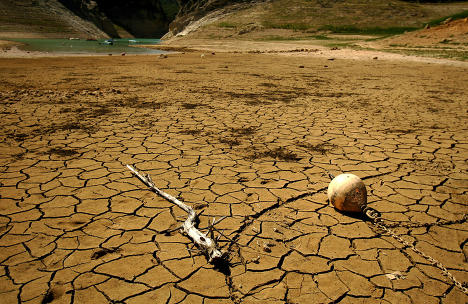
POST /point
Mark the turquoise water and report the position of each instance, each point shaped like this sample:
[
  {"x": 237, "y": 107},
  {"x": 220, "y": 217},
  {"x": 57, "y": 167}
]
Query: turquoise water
[{"x": 66, "y": 46}]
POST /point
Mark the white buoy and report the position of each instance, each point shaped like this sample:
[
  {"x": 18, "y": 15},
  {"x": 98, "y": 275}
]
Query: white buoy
[{"x": 347, "y": 192}]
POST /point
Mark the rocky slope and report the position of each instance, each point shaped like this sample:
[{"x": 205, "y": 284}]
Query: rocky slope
[
  {"x": 86, "y": 18},
  {"x": 193, "y": 10},
  {"x": 228, "y": 18},
  {"x": 43, "y": 19},
  {"x": 139, "y": 18}
]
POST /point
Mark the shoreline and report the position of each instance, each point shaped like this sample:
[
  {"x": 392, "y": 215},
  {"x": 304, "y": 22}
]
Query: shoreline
[
  {"x": 10, "y": 49},
  {"x": 304, "y": 48}
]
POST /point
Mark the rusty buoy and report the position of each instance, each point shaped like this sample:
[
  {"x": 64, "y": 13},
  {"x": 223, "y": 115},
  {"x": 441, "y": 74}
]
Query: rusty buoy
[{"x": 347, "y": 192}]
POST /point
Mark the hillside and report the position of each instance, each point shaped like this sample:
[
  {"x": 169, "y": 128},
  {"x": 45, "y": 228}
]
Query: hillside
[
  {"x": 302, "y": 18},
  {"x": 85, "y": 19},
  {"x": 118, "y": 18},
  {"x": 317, "y": 21},
  {"x": 42, "y": 19},
  {"x": 426, "y": 29}
]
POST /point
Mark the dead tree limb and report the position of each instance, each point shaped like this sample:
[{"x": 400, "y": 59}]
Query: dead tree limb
[{"x": 205, "y": 243}]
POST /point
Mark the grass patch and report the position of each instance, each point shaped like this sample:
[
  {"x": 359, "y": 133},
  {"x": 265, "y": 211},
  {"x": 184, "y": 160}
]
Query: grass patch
[
  {"x": 459, "y": 55},
  {"x": 351, "y": 29},
  {"x": 283, "y": 38},
  {"x": 321, "y": 37},
  {"x": 287, "y": 26},
  {"x": 225, "y": 24},
  {"x": 344, "y": 45},
  {"x": 439, "y": 21},
  {"x": 279, "y": 38}
]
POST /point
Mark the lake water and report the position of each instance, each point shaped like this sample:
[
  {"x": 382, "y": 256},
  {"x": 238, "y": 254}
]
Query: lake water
[{"x": 67, "y": 46}]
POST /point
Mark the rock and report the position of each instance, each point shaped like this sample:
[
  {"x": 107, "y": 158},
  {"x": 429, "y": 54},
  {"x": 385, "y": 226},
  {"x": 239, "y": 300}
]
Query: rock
[
  {"x": 448, "y": 20},
  {"x": 255, "y": 260},
  {"x": 395, "y": 276},
  {"x": 267, "y": 247}
]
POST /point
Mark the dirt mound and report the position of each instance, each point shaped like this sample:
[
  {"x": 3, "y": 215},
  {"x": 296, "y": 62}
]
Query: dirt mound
[{"x": 451, "y": 33}]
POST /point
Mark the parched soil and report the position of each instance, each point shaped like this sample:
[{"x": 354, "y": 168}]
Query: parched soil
[{"x": 252, "y": 137}]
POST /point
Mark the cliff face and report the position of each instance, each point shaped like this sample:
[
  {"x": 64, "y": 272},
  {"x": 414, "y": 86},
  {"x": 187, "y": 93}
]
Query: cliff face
[
  {"x": 140, "y": 18},
  {"x": 192, "y": 10},
  {"x": 144, "y": 18}
]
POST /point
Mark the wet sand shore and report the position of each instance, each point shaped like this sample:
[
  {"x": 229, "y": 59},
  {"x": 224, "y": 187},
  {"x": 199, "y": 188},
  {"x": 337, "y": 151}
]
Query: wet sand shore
[{"x": 247, "y": 136}]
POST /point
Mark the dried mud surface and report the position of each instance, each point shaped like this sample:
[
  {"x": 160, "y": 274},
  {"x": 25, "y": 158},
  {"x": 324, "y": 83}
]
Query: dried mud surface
[{"x": 247, "y": 136}]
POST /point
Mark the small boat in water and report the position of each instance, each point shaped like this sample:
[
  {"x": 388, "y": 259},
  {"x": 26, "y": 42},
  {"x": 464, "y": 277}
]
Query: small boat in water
[{"x": 108, "y": 42}]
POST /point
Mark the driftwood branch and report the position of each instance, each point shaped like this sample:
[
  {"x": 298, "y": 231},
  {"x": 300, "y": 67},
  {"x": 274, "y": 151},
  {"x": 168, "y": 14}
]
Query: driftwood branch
[{"x": 205, "y": 243}]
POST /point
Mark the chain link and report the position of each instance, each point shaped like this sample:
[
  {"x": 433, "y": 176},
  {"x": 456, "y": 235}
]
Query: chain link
[
  {"x": 377, "y": 220},
  {"x": 419, "y": 225}
]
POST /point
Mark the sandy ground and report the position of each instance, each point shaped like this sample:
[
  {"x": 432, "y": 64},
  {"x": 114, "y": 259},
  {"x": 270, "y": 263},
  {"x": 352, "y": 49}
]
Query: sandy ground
[
  {"x": 247, "y": 136},
  {"x": 304, "y": 48}
]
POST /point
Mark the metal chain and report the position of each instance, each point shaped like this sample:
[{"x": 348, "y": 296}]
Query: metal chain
[
  {"x": 377, "y": 220},
  {"x": 419, "y": 225}
]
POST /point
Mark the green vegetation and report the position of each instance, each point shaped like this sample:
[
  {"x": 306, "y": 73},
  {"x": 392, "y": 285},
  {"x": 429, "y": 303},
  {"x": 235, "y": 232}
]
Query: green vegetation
[
  {"x": 321, "y": 37},
  {"x": 286, "y": 26},
  {"x": 351, "y": 16},
  {"x": 342, "y": 29},
  {"x": 350, "y": 29},
  {"x": 280, "y": 38},
  {"x": 348, "y": 45},
  {"x": 361, "y": 30},
  {"x": 424, "y": 52},
  {"x": 296, "y": 38},
  {"x": 364, "y": 17},
  {"x": 439, "y": 21},
  {"x": 170, "y": 8},
  {"x": 227, "y": 25}
]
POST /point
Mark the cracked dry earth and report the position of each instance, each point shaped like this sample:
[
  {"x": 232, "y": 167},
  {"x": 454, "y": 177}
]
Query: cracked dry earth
[{"x": 251, "y": 137}]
